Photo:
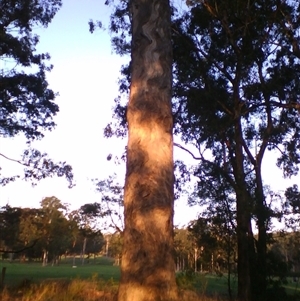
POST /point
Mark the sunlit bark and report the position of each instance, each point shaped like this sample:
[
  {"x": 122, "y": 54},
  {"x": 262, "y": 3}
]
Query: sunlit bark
[{"x": 147, "y": 268}]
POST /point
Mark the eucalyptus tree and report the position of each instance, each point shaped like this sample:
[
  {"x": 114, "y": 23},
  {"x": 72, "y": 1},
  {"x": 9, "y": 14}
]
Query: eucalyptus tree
[
  {"x": 112, "y": 203},
  {"x": 10, "y": 228},
  {"x": 214, "y": 233},
  {"x": 114, "y": 247},
  {"x": 147, "y": 267},
  {"x": 30, "y": 232},
  {"x": 184, "y": 248},
  {"x": 87, "y": 222},
  {"x": 54, "y": 227},
  {"x": 236, "y": 84}
]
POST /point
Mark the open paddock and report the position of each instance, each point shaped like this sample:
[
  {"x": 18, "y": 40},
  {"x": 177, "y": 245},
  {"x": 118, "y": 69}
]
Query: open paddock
[{"x": 101, "y": 271}]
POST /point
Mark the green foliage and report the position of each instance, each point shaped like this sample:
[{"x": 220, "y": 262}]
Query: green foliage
[
  {"x": 230, "y": 85},
  {"x": 216, "y": 241},
  {"x": 115, "y": 246},
  {"x": 9, "y": 225},
  {"x": 184, "y": 249},
  {"x": 49, "y": 232},
  {"x": 34, "y": 272},
  {"x": 189, "y": 280},
  {"x": 112, "y": 202},
  {"x": 291, "y": 208},
  {"x": 27, "y": 105}
]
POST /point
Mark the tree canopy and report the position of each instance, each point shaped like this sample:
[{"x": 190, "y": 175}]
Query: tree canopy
[
  {"x": 236, "y": 90},
  {"x": 47, "y": 232},
  {"x": 27, "y": 104}
]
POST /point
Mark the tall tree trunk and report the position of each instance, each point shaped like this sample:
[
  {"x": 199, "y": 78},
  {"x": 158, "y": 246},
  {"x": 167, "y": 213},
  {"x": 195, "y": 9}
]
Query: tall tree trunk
[
  {"x": 83, "y": 250},
  {"x": 259, "y": 289},
  {"x": 45, "y": 257},
  {"x": 242, "y": 199},
  {"x": 147, "y": 267}
]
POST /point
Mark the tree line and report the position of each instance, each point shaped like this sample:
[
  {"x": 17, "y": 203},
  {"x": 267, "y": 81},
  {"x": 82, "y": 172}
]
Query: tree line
[{"x": 50, "y": 232}]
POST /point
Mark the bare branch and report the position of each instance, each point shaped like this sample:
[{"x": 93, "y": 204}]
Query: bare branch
[
  {"x": 13, "y": 160},
  {"x": 20, "y": 250},
  {"x": 188, "y": 151}
]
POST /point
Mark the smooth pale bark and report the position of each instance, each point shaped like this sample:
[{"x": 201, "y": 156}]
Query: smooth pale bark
[{"x": 147, "y": 267}]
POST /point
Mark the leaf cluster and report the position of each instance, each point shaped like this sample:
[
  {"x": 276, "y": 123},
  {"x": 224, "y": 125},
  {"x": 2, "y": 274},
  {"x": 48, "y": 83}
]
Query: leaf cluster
[
  {"x": 27, "y": 104},
  {"x": 51, "y": 228}
]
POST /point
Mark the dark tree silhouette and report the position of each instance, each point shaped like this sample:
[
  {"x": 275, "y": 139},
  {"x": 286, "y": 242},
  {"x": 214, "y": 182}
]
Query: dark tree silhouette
[{"x": 27, "y": 105}]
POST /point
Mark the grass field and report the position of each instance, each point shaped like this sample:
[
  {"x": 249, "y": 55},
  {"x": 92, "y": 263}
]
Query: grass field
[
  {"x": 103, "y": 269},
  {"x": 16, "y": 273}
]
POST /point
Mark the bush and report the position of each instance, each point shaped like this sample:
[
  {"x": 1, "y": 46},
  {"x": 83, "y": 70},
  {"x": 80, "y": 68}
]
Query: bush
[{"x": 189, "y": 280}]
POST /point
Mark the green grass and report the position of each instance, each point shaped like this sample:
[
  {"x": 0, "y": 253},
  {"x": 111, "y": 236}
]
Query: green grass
[
  {"x": 16, "y": 273},
  {"x": 218, "y": 285},
  {"x": 292, "y": 287},
  {"x": 103, "y": 267},
  {"x": 206, "y": 284}
]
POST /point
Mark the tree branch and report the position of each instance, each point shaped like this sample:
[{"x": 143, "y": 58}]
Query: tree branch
[
  {"x": 20, "y": 250},
  {"x": 222, "y": 171},
  {"x": 188, "y": 151},
  {"x": 13, "y": 160}
]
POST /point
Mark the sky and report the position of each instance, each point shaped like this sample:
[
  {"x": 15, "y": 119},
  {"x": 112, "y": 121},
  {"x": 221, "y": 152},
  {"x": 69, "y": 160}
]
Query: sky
[{"x": 85, "y": 74}]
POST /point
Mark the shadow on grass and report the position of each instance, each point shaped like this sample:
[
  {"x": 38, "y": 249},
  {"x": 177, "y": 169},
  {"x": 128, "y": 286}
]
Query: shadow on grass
[{"x": 62, "y": 290}]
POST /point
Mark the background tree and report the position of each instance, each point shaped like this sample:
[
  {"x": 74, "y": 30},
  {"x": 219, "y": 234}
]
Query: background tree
[
  {"x": 114, "y": 247},
  {"x": 184, "y": 249},
  {"x": 30, "y": 234},
  {"x": 215, "y": 238},
  {"x": 88, "y": 215},
  {"x": 49, "y": 232},
  {"x": 27, "y": 105},
  {"x": 231, "y": 100},
  {"x": 55, "y": 229},
  {"x": 10, "y": 228},
  {"x": 20, "y": 232},
  {"x": 206, "y": 240},
  {"x": 112, "y": 203},
  {"x": 74, "y": 226},
  {"x": 88, "y": 242},
  {"x": 290, "y": 239}
]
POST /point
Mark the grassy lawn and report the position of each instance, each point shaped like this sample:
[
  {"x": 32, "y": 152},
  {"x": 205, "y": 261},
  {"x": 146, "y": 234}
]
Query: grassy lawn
[
  {"x": 218, "y": 285},
  {"x": 292, "y": 287},
  {"x": 16, "y": 273},
  {"x": 207, "y": 284},
  {"x": 103, "y": 267}
]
